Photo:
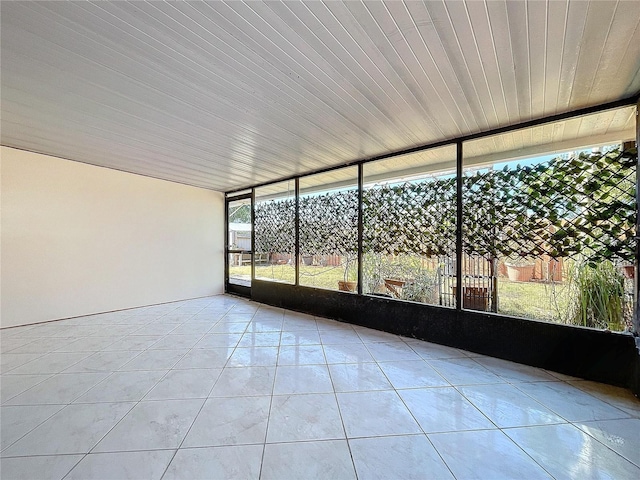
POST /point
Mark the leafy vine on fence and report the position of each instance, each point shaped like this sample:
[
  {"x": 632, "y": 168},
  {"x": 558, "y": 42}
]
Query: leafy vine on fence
[
  {"x": 563, "y": 207},
  {"x": 329, "y": 224},
  {"x": 274, "y": 224}
]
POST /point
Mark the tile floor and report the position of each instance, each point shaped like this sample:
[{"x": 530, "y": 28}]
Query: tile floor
[{"x": 221, "y": 387}]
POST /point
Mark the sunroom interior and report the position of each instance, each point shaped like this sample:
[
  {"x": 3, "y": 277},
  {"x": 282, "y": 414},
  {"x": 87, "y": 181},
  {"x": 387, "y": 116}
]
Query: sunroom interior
[
  {"x": 383, "y": 186},
  {"x": 530, "y": 245}
]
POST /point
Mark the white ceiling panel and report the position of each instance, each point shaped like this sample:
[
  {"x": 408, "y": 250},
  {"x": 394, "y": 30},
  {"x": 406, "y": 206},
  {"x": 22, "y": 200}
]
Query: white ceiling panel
[
  {"x": 224, "y": 95},
  {"x": 606, "y": 127}
]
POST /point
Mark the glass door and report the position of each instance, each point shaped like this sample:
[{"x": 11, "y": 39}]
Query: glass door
[{"x": 239, "y": 256}]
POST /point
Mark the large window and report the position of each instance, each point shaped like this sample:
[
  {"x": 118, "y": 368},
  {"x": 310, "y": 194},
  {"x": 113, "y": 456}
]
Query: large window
[
  {"x": 549, "y": 222},
  {"x": 548, "y": 217},
  {"x": 274, "y": 252},
  {"x": 329, "y": 230},
  {"x": 409, "y": 240}
]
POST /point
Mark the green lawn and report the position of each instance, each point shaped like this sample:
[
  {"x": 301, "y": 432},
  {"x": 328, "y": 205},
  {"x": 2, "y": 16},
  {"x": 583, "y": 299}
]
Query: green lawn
[
  {"x": 532, "y": 300},
  {"x": 320, "y": 277},
  {"x": 539, "y": 301}
]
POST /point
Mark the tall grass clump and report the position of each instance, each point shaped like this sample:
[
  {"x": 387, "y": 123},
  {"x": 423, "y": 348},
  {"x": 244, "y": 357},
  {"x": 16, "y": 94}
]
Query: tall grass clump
[{"x": 598, "y": 295}]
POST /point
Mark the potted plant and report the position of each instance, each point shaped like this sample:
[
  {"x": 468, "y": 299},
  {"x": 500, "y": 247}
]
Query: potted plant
[
  {"x": 396, "y": 276},
  {"x": 350, "y": 281},
  {"x": 520, "y": 269},
  {"x": 422, "y": 288},
  {"x": 372, "y": 271}
]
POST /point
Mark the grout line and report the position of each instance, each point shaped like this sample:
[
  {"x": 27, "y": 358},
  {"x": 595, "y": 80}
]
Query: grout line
[
  {"x": 344, "y": 428},
  {"x": 275, "y": 373},
  {"x": 142, "y": 398},
  {"x": 195, "y": 418},
  {"x": 32, "y": 429},
  {"x": 255, "y": 318},
  {"x": 139, "y": 401},
  {"x": 527, "y": 454}
]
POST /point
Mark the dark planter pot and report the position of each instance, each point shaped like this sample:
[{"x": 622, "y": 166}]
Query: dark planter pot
[{"x": 307, "y": 260}]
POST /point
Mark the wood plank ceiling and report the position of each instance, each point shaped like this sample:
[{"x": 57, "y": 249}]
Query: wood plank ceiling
[{"x": 225, "y": 95}]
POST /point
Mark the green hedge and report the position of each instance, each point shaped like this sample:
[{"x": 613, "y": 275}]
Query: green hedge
[{"x": 564, "y": 207}]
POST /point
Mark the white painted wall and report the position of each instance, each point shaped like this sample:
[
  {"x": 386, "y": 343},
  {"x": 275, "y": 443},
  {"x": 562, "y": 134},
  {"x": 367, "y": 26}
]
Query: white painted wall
[{"x": 78, "y": 239}]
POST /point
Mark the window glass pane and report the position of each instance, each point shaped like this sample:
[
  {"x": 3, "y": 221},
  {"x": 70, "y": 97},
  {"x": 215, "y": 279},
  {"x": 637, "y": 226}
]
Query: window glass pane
[
  {"x": 329, "y": 230},
  {"x": 549, "y": 221},
  {"x": 409, "y": 227},
  {"x": 239, "y": 237},
  {"x": 274, "y": 252}
]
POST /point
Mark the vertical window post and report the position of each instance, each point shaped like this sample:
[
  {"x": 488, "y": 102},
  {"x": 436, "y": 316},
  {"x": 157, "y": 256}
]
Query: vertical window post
[
  {"x": 253, "y": 234},
  {"x": 459, "y": 212},
  {"x": 226, "y": 244},
  {"x": 360, "y": 224},
  {"x": 636, "y": 283},
  {"x": 297, "y": 231}
]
